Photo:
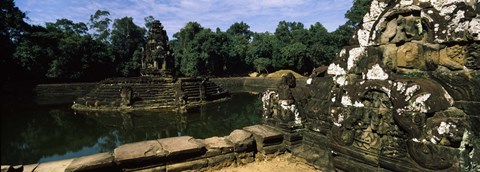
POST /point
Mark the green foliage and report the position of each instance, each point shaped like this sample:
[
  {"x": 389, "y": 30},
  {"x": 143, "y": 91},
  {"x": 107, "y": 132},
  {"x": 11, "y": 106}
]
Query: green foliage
[
  {"x": 148, "y": 21},
  {"x": 261, "y": 46},
  {"x": 36, "y": 50},
  {"x": 262, "y": 64},
  {"x": 290, "y": 32},
  {"x": 60, "y": 51},
  {"x": 356, "y": 13},
  {"x": 126, "y": 38},
  {"x": 66, "y": 50},
  {"x": 68, "y": 27},
  {"x": 199, "y": 51},
  {"x": 239, "y": 36},
  {"x": 12, "y": 29},
  {"x": 292, "y": 56},
  {"x": 100, "y": 23},
  {"x": 186, "y": 50},
  {"x": 240, "y": 30}
]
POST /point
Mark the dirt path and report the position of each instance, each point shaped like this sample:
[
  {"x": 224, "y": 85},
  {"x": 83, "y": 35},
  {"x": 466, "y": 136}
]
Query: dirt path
[{"x": 284, "y": 163}]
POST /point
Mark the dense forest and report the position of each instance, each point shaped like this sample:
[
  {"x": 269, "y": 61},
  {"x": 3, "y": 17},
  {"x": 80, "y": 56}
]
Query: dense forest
[{"x": 66, "y": 51}]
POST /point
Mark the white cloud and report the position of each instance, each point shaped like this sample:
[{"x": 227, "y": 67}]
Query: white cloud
[{"x": 260, "y": 15}]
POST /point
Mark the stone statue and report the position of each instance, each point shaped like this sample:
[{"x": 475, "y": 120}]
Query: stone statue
[
  {"x": 280, "y": 106},
  {"x": 126, "y": 95}
]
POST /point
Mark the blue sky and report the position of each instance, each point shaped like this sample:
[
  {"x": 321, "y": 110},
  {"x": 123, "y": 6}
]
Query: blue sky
[{"x": 260, "y": 15}]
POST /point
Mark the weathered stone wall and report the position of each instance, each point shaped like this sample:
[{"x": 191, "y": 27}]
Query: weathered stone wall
[
  {"x": 61, "y": 93},
  {"x": 182, "y": 153},
  {"x": 405, "y": 96},
  {"x": 247, "y": 84}
]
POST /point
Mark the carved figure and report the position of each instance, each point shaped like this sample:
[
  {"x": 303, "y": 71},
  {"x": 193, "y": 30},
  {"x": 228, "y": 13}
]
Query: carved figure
[
  {"x": 472, "y": 59},
  {"x": 126, "y": 95},
  {"x": 281, "y": 106}
]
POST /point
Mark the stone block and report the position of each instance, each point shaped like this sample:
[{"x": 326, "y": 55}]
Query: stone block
[
  {"x": 153, "y": 169},
  {"x": 244, "y": 158},
  {"x": 452, "y": 58},
  {"x": 100, "y": 161},
  {"x": 219, "y": 143},
  {"x": 265, "y": 135},
  {"x": 295, "y": 136},
  {"x": 389, "y": 56},
  {"x": 242, "y": 140},
  {"x": 55, "y": 166},
  {"x": 180, "y": 147},
  {"x": 189, "y": 165},
  {"x": 292, "y": 144},
  {"x": 211, "y": 153},
  {"x": 145, "y": 152},
  {"x": 273, "y": 149},
  {"x": 410, "y": 55},
  {"x": 217, "y": 162}
]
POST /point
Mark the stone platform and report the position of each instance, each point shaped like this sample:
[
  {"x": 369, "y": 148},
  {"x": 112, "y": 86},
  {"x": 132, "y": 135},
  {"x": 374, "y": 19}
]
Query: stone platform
[
  {"x": 148, "y": 92},
  {"x": 182, "y": 153}
]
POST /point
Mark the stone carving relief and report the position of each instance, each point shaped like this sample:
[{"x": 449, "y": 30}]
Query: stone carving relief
[
  {"x": 402, "y": 95},
  {"x": 472, "y": 59},
  {"x": 411, "y": 38},
  {"x": 392, "y": 127},
  {"x": 371, "y": 128},
  {"x": 404, "y": 29}
]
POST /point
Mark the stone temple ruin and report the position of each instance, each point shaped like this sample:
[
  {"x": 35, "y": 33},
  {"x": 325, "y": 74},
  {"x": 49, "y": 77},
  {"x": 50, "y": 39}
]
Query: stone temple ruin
[
  {"x": 405, "y": 96},
  {"x": 157, "y": 58},
  {"x": 157, "y": 88}
]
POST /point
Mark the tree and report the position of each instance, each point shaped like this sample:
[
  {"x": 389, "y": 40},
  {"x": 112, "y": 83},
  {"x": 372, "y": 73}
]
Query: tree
[
  {"x": 148, "y": 21},
  {"x": 356, "y": 13},
  {"x": 261, "y": 46},
  {"x": 100, "y": 23},
  {"x": 12, "y": 28},
  {"x": 35, "y": 52},
  {"x": 321, "y": 46},
  {"x": 289, "y": 32},
  {"x": 289, "y": 49},
  {"x": 240, "y": 36},
  {"x": 186, "y": 51},
  {"x": 68, "y": 27},
  {"x": 126, "y": 39},
  {"x": 240, "y": 29},
  {"x": 292, "y": 56},
  {"x": 62, "y": 51},
  {"x": 262, "y": 64}
]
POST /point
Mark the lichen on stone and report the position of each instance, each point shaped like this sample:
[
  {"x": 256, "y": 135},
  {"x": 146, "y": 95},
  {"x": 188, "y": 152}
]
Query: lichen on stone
[{"x": 376, "y": 72}]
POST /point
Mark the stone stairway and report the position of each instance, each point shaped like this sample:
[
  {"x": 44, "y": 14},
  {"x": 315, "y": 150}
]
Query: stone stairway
[
  {"x": 152, "y": 92},
  {"x": 149, "y": 93},
  {"x": 196, "y": 89}
]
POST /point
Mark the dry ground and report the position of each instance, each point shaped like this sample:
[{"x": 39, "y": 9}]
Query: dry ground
[{"x": 283, "y": 163}]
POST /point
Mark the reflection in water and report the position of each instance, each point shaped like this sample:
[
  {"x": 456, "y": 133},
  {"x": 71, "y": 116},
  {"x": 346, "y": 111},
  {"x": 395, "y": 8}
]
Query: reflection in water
[{"x": 33, "y": 133}]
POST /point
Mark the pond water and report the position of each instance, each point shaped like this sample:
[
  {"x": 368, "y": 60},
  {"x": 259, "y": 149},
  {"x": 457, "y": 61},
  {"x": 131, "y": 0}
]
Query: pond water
[{"x": 32, "y": 133}]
